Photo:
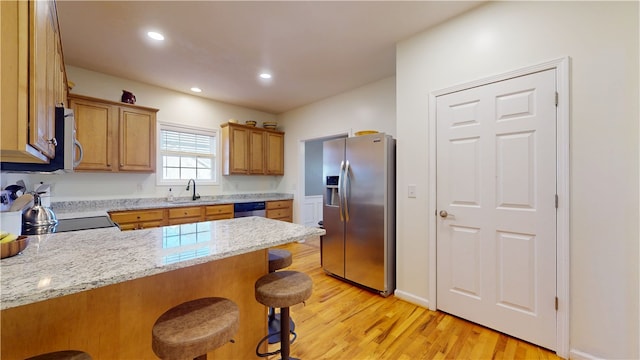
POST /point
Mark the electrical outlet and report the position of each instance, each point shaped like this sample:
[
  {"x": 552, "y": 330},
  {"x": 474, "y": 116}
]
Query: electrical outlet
[{"x": 411, "y": 191}]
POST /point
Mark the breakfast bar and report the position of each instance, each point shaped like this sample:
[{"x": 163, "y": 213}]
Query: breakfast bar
[{"x": 101, "y": 290}]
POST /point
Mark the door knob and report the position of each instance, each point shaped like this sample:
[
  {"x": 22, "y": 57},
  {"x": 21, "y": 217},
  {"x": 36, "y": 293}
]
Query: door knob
[{"x": 443, "y": 214}]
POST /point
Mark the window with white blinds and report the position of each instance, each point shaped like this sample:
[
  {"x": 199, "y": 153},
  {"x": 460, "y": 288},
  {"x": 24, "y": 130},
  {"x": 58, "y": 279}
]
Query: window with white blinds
[{"x": 187, "y": 154}]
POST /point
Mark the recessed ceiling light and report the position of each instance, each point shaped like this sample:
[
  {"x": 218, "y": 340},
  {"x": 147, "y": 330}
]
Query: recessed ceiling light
[
  {"x": 155, "y": 35},
  {"x": 265, "y": 76},
  {"x": 196, "y": 89}
]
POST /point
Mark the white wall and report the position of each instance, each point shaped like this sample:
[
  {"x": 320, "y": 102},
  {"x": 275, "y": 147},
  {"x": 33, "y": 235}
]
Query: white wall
[
  {"x": 176, "y": 108},
  {"x": 371, "y": 107},
  {"x": 602, "y": 40}
]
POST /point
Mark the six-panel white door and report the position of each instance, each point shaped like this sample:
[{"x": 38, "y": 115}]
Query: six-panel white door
[{"x": 496, "y": 186}]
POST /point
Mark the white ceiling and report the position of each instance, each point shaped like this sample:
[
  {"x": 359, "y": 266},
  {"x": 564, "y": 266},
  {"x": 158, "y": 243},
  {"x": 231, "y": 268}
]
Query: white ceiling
[{"x": 314, "y": 49}]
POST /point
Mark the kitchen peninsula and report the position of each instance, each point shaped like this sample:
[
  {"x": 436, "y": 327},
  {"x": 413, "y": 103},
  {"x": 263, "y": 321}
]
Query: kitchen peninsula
[{"x": 101, "y": 290}]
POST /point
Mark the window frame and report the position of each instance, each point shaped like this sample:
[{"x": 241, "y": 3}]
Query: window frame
[{"x": 187, "y": 129}]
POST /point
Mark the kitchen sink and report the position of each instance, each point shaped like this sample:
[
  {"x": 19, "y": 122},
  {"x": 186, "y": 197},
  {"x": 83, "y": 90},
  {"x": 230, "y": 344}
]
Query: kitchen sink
[{"x": 182, "y": 202}]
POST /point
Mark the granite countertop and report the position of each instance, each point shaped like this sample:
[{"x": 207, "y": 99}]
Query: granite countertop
[
  {"x": 60, "y": 264},
  {"x": 85, "y": 208}
]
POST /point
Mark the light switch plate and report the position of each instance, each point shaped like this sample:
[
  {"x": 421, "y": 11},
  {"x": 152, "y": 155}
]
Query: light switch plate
[{"x": 411, "y": 191}]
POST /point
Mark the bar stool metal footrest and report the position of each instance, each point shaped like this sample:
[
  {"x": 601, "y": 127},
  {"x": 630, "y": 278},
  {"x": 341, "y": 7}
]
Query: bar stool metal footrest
[{"x": 258, "y": 353}]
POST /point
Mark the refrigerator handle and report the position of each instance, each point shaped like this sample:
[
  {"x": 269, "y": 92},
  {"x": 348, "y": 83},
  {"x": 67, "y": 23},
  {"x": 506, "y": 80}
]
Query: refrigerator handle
[
  {"x": 346, "y": 192},
  {"x": 340, "y": 194}
]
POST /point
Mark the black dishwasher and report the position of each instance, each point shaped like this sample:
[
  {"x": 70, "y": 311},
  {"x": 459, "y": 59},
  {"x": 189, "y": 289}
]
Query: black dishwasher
[{"x": 256, "y": 208}]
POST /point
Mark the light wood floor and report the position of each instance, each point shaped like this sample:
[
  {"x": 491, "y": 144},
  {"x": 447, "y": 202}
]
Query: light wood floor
[{"x": 342, "y": 321}]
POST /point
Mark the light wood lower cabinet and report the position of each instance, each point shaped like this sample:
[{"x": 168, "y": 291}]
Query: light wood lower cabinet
[
  {"x": 280, "y": 210},
  {"x": 139, "y": 219},
  {"x": 185, "y": 215},
  {"x": 149, "y": 218},
  {"x": 218, "y": 212}
]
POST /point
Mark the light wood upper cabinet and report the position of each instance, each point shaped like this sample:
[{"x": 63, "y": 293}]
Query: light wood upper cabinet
[
  {"x": 247, "y": 150},
  {"x": 235, "y": 150},
  {"x": 256, "y": 151},
  {"x": 137, "y": 140},
  {"x": 275, "y": 153},
  {"x": 42, "y": 65},
  {"x": 95, "y": 125},
  {"x": 116, "y": 137},
  {"x": 33, "y": 80}
]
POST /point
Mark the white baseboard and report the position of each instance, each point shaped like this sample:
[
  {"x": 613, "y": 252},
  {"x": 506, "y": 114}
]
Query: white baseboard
[
  {"x": 579, "y": 355},
  {"x": 411, "y": 298}
]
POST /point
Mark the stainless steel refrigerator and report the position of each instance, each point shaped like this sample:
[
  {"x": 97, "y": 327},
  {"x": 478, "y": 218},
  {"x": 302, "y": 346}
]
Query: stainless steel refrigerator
[{"x": 359, "y": 211}]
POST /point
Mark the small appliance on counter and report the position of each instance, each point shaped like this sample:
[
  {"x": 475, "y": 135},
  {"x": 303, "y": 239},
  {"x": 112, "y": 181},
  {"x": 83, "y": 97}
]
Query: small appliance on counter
[
  {"x": 10, "y": 194},
  {"x": 38, "y": 218}
]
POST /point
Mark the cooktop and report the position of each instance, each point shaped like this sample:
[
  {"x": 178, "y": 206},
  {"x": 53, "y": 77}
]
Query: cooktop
[{"x": 64, "y": 225}]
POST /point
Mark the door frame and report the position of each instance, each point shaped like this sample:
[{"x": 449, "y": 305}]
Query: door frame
[
  {"x": 562, "y": 68},
  {"x": 298, "y": 199}
]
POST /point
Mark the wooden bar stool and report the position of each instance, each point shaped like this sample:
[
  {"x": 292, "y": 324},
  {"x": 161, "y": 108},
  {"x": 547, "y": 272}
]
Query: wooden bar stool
[
  {"x": 282, "y": 289},
  {"x": 62, "y": 355},
  {"x": 193, "y": 328},
  {"x": 278, "y": 259}
]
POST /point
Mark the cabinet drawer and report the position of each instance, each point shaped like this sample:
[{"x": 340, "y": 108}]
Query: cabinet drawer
[
  {"x": 185, "y": 212},
  {"x": 136, "y": 216},
  {"x": 280, "y": 204},
  {"x": 279, "y": 213},
  {"x": 141, "y": 225},
  {"x": 218, "y": 217},
  {"x": 185, "y": 220},
  {"x": 126, "y": 227},
  {"x": 151, "y": 224},
  {"x": 215, "y": 210}
]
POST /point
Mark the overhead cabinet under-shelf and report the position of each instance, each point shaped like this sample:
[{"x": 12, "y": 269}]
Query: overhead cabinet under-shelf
[
  {"x": 116, "y": 137},
  {"x": 248, "y": 150}
]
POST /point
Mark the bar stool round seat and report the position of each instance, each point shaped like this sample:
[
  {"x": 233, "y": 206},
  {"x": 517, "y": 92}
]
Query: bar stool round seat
[
  {"x": 62, "y": 355},
  {"x": 279, "y": 259},
  {"x": 193, "y": 328},
  {"x": 282, "y": 289}
]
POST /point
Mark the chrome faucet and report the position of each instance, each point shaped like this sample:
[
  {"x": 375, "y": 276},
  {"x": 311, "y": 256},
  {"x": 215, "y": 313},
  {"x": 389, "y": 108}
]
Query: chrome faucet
[{"x": 195, "y": 196}]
